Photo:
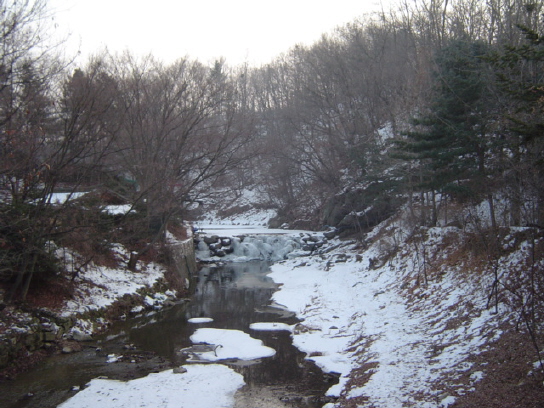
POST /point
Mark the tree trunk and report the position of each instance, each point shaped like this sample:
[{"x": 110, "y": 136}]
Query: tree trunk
[{"x": 492, "y": 211}]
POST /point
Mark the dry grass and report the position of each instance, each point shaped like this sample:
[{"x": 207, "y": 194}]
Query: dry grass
[
  {"x": 51, "y": 294},
  {"x": 506, "y": 383},
  {"x": 358, "y": 378},
  {"x": 509, "y": 379}
]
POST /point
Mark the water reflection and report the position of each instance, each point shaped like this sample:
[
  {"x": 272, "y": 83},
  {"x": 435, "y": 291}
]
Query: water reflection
[{"x": 234, "y": 295}]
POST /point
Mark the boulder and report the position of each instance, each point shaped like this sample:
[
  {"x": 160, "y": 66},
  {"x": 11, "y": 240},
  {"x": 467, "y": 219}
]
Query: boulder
[
  {"x": 215, "y": 246},
  {"x": 309, "y": 247},
  {"x": 211, "y": 240},
  {"x": 360, "y": 209}
]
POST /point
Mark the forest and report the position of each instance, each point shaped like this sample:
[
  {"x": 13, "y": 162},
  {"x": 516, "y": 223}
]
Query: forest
[{"x": 427, "y": 105}]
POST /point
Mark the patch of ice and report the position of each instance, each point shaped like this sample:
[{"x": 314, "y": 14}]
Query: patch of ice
[{"x": 229, "y": 344}]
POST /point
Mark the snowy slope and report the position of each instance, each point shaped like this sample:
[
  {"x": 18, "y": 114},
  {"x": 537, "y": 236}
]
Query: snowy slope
[{"x": 396, "y": 338}]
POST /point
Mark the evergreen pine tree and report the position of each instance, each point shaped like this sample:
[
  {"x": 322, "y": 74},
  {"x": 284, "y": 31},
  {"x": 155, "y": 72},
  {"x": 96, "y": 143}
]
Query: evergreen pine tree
[
  {"x": 451, "y": 140},
  {"x": 520, "y": 73}
]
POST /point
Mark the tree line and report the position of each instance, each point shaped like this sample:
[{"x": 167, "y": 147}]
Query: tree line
[{"x": 431, "y": 100}]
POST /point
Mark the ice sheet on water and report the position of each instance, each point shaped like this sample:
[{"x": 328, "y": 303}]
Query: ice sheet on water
[{"x": 229, "y": 344}]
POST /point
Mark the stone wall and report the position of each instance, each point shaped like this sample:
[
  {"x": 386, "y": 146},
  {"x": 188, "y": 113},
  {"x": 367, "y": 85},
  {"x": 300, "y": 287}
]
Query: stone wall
[
  {"x": 39, "y": 329},
  {"x": 183, "y": 254}
]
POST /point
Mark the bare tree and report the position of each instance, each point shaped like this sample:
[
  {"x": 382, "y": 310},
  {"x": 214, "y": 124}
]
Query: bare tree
[{"x": 182, "y": 128}]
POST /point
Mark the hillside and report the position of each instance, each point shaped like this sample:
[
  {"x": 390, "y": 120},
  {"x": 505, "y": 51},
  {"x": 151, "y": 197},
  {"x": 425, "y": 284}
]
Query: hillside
[{"x": 409, "y": 317}]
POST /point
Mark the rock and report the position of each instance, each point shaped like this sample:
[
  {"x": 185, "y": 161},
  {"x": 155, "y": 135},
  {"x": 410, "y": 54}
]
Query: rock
[
  {"x": 215, "y": 246},
  {"x": 81, "y": 336},
  {"x": 301, "y": 328},
  {"x": 49, "y": 336},
  {"x": 211, "y": 240},
  {"x": 330, "y": 234},
  {"x": 179, "y": 370},
  {"x": 67, "y": 350},
  {"x": 308, "y": 247}
]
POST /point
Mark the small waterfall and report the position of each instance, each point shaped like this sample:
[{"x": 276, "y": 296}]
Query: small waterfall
[{"x": 249, "y": 248}]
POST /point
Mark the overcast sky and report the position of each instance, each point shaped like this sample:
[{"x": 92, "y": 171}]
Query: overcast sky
[{"x": 239, "y": 30}]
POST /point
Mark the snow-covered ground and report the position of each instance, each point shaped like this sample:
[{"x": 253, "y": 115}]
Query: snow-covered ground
[
  {"x": 367, "y": 308},
  {"x": 243, "y": 209},
  {"x": 100, "y": 286},
  {"x": 353, "y": 315},
  {"x": 97, "y": 287},
  {"x": 201, "y": 386}
]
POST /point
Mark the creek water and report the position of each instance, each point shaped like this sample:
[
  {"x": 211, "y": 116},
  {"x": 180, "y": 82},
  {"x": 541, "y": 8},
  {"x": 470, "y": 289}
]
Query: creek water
[{"x": 234, "y": 295}]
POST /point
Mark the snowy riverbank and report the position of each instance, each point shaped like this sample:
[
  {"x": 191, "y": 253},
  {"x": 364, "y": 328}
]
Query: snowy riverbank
[
  {"x": 396, "y": 330},
  {"x": 354, "y": 316},
  {"x": 86, "y": 301}
]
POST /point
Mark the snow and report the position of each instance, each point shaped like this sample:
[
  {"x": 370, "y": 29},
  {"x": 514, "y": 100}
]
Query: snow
[
  {"x": 254, "y": 217},
  {"x": 243, "y": 209},
  {"x": 355, "y": 311},
  {"x": 354, "y": 315},
  {"x": 61, "y": 198},
  {"x": 200, "y": 320},
  {"x": 98, "y": 287},
  {"x": 254, "y": 243},
  {"x": 230, "y": 344},
  {"x": 109, "y": 284},
  {"x": 118, "y": 209},
  {"x": 197, "y": 388},
  {"x": 270, "y": 326}
]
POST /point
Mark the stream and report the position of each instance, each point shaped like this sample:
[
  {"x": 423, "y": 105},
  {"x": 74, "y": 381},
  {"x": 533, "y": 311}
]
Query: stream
[{"x": 234, "y": 295}]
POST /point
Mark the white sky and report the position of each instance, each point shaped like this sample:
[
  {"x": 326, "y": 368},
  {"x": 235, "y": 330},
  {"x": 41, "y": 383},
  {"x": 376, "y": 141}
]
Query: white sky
[{"x": 240, "y": 30}]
